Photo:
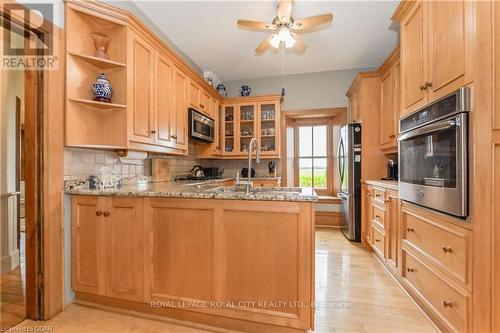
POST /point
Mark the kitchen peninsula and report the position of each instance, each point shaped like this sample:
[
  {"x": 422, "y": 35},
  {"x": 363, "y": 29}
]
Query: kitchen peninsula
[{"x": 198, "y": 251}]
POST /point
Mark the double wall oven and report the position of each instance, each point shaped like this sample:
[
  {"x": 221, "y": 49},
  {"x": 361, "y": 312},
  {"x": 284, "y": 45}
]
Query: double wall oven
[{"x": 433, "y": 155}]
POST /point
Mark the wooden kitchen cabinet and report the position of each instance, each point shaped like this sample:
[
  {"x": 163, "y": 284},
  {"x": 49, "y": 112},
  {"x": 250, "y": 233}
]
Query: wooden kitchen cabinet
[
  {"x": 437, "y": 45},
  {"x": 241, "y": 119},
  {"x": 152, "y": 86},
  {"x": 389, "y": 101},
  {"x": 108, "y": 247},
  {"x": 87, "y": 245},
  {"x": 165, "y": 101},
  {"x": 142, "y": 69},
  {"x": 181, "y": 82}
]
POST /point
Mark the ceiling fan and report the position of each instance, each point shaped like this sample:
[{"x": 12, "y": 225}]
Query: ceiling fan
[{"x": 285, "y": 28}]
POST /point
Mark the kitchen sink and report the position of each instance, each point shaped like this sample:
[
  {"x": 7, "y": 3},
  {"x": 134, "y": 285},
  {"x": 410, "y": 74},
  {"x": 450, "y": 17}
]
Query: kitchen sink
[{"x": 258, "y": 190}]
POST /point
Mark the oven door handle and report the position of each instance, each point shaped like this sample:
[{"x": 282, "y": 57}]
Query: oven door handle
[{"x": 441, "y": 125}]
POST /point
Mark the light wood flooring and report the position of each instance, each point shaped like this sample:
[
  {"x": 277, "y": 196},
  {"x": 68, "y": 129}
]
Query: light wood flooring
[
  {"x": 353, "y": 291},
  {"x": 13, "y": 293}
]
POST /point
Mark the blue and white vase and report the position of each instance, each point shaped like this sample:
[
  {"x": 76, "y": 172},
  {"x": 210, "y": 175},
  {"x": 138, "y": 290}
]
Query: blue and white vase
[
  {"x": 221, "y": 89},
  {"x": 245, "y": 91},
  {"x": 102, "y": 88}
]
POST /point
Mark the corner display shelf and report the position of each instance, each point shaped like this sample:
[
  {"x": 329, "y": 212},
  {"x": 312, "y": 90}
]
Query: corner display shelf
[
  {"x": 98, "y": 62},
  {"x": 97, "y": 104},
  {"x": 84, "y": 126}
]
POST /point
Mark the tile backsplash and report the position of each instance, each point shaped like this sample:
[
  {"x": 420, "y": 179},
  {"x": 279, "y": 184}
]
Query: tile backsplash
[{"x": 81, "y": 163}]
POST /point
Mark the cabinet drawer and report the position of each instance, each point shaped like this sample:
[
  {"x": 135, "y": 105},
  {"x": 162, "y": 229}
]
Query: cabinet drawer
[
  {"x": 264, "y": 183},
  {"x": 444, "y": 244},
  {"x": 378, "y": 242},
  {"x": 378, "y": 214},
  {"x": 448, "y": 303},
  {"x": 379, "y": 195}
]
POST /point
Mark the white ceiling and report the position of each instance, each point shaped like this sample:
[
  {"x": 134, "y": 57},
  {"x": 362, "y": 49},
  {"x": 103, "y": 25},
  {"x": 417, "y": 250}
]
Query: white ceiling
[{"x": 361, "y": 35}]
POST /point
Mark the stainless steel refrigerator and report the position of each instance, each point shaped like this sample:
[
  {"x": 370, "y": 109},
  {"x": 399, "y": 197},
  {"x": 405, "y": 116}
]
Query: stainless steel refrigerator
[{"x": 349, "y": 167}]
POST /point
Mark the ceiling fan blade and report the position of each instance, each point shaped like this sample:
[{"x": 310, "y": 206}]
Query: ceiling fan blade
[
  {"x": 285, "y": 8},
  {"x": 299, "y": 45},
  {"x": 263, "y": 46},
  {"x": 254, "y": 25},
  {"x": 312, "y": 21}
]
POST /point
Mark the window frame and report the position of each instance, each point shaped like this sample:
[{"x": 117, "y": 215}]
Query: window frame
[{"x": 329, "y": 152}]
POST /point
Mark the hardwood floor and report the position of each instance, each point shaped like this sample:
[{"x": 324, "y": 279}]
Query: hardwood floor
[
  {"x": 353, "y": 291},
  {"x": 12, "y": 293}
]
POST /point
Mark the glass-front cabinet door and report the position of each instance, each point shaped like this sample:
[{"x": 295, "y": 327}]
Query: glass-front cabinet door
[
  {"x": 247, "y": 125},
  {"x": 269, "y": 128},
  {"x": 228, "y": 128}
]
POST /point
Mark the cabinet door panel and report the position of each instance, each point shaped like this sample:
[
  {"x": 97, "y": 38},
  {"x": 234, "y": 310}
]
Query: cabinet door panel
[
  {"x": 181, "y": 241},
  {"x": 447, "y": 46},
  {"x": 269, "y": 128},
  {"x": 194, "y": 95},
  {"x": 204, "y": 102},
  {"x": 257, "y": 264},
  {"x": 413, "y": 59},
  {"x": 164, "y": 100},
  {"x": 87, "y": 245},
  {"x": 181, "y": 88},
  {"x": 387, "y": 110},
  {"x": 125, "y": 249},
  {"x": 142, "y": 90}
]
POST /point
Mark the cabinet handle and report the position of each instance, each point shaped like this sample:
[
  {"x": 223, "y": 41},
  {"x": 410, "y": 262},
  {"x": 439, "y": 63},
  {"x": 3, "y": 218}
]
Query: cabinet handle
[
  {"x": 428, "y": 85},
  {"x": 447, "y": 304},
  {"x": 422, "y": 87},
  {"x": 392, "y": 136},
  {"x": 153, "y": 132},
  {"x": 410, "y": 229},
  {"x": 410, "y": 270},
  {"x": 377, "y": 240},
  {"x": 370, "y": 195},
  {"x": 98, "y": 213},
  {"x": 106, "y": 214},
  {"x": 447, "y": 249},
  {"x": 377, "y": 195},
  {"x": 378, "y": 217},
  {"x": 174, "y": 137}
]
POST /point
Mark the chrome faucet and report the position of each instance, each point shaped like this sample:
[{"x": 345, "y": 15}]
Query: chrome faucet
[{"x": 254, "y": 143}]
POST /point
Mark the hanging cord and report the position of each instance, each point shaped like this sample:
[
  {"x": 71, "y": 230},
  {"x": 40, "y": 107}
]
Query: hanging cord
[{"x": 282, "y": 70}]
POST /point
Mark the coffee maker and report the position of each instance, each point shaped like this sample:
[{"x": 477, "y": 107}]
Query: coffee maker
[{"x": 392, "y": 169}]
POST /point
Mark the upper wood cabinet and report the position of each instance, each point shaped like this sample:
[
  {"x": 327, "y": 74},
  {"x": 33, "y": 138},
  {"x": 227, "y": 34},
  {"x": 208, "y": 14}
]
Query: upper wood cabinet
[
  {"x": 152, "y": 86},
  {"x": 389, "y": 101},
  {"x": 165, "y": 101},
  {"x": 108, "y": 247},
  {"x": 142, "y": 71},
  {"x": 436, "y": 49},
  {"x": 181, "y": 82}
]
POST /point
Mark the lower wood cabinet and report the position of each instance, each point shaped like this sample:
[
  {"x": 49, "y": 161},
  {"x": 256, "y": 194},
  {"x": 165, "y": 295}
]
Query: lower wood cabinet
[
  {"x": 108, "y": 247},
  {"x": 429, "y": 253},
  {"x": 212, "y": 261}
]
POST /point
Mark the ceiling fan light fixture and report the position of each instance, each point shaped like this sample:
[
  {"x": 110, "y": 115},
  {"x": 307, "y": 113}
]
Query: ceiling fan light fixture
[
  {"x": 284, "y": 34},
  {"x": 289, "y": 43},
  {"x": 275, "y": 41}
]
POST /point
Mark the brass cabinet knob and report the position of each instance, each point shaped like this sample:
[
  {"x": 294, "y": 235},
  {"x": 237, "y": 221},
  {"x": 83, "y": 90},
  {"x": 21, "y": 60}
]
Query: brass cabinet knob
[
  {"x": 377, "y": 240},
  {"x": 377, "y": 195},
  {"x": 447, "y": 249},
  {"x": 422, "y": 87},
  {"x": 377, "y": 217},
  {"x": 153, "y": 132},
  {"x": 410, "y": 270},
  {"x": 98, "y": 213},
  {"x": 428, "y": 85},
  {"x": 173, "y": 136},
  {"x": 410, "y": 229},
  {"x": 447, "y": 304},
  {"x": 106, "y": 214}
]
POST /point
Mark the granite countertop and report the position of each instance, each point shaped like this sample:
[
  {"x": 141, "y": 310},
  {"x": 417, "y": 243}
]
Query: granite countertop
[
  {"x": 206, "y": 189},
  {"x": 390, "y": 184}
]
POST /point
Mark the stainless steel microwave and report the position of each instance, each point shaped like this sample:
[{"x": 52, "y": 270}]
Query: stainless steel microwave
[
  {"x": 433, "y": 155},
  {"x": 201, "y": 127}
]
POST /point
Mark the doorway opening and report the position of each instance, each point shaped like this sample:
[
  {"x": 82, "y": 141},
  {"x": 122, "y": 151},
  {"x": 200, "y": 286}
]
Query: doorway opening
[{"x": 20, "y": 179}]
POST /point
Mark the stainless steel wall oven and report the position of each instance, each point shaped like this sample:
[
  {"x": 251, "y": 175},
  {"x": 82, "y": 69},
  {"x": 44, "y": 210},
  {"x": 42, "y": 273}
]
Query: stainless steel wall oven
[{"x": 433, "y": 155}]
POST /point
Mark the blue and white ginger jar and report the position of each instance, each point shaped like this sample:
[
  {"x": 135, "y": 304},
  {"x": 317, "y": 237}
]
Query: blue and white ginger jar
[
  {"x": 245, "y": 91},
  {"x": 102, "y": 88}
]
